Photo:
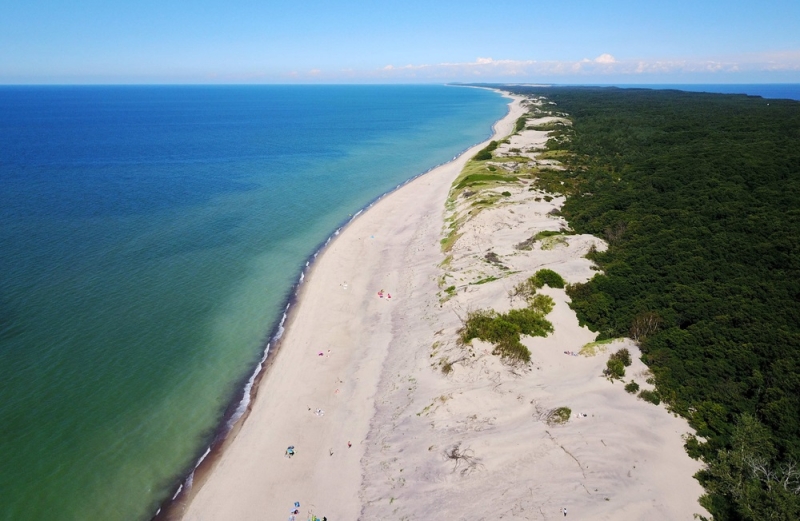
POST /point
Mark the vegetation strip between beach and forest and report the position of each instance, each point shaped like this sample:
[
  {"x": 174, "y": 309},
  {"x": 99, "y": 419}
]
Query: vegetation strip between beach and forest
[{"x": 698, "y": 197}]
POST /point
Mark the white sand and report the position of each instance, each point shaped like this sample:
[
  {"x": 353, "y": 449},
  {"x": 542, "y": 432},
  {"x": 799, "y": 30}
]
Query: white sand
[{"x": 381, "y": 388}]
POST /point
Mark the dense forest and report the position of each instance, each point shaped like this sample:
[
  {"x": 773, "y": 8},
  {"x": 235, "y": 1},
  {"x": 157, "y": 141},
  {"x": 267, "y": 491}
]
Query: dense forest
[{"x": 698, "y": 197}]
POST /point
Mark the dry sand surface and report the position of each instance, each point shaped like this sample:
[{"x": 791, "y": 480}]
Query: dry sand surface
[{"x": 380, "y": 387}]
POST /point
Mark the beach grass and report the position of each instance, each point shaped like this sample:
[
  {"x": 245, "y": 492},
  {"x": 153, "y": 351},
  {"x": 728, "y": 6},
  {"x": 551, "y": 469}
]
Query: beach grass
[{"x": 596, "y": 347}]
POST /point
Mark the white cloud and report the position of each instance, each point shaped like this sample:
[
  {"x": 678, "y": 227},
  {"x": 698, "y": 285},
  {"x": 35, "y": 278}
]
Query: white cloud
[
  {"x": 605, "y": 58},
  {"x": 603, "y": 65}
]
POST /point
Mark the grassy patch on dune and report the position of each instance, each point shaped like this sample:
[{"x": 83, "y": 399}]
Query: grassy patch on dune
[
  {"x": 504, "y": 330},
  {"x": 546, "y": 127},
  {"x": 476, "y": 173},
  {"x": 554, "y": 154},
  {"x": 550, "y": 243},
  {"x": 448, "y": 242},
  {"x": 559, "y": 416},
  {"x": 597, "y": 347},
  {"x": 527, "y": 244}
]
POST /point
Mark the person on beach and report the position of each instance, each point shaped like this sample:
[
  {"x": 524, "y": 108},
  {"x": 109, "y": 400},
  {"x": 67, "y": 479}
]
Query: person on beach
[
  {"x": 349, "y": 444},
  {"x": 565, "y": 511}
]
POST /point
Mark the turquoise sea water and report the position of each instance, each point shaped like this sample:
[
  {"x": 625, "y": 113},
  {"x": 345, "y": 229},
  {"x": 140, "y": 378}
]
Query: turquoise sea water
[{"x": 150, "y": 239}]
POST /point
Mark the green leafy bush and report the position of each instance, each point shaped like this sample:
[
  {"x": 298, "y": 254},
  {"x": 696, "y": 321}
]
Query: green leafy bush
[
  {"x": 615, "y": 369},
  {"x": 486, "y": 153},
  {"x": 632, "y": 387},
  {"x": 511, "y": 349},
  {"x": 530, "y": 321},
  {"x": 541, "y": 303},
  {"x": 650, "y": 396},
  {"x": 623, "y": 355},
  {"x": 546, "y": 277},
  {"x": 520, "y": 124},
  {"x": 504, "y": 330}
]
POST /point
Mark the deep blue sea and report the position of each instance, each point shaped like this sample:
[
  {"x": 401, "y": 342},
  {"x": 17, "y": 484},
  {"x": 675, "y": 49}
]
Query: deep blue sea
[{"x": 150, "y": 238}]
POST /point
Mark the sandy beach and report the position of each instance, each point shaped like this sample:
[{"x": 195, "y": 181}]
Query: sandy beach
[{"x": 357, "y": 387}]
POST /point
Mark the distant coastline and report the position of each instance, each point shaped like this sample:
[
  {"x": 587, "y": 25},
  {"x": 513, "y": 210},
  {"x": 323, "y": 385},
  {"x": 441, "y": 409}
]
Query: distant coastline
[{"x": 765, "y": 90}]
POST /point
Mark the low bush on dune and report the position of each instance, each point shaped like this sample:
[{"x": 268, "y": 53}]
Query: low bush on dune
[
  {"x": 631, "y": 387},
  {"x": 547, "y": 277},
  {"x": 486, "y": 153},
  {"x": 527, "y": 288},
  {"x": 513, "y": 351},
  {"x": 530, "y": 321},
  {"x": 650, "y": 396},
  {"x": 617, "y": 362},
  {"x": 505, "y": 330},
  {"x": 520, "y": 124},
  {"x": 624, "y": 356},
  {"x": 614, "y": 370}
]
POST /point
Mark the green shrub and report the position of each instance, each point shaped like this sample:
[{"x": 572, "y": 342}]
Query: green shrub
[
  {"x": 486, "y": 153},
  {"x": 547, "y": 277},
  {"x": 615, "y": 369},
  {"x": 632, "y": 387},
  {"x": 504, "y": 330},
  {"x": 624, "y": 356},
  {"x": 541, "y": 303},
  {"x": 476, "y": 325},
  {"x": 501, "y": 329},
  {"x": 512, "y": 349},
  {"x": 650, "y": 396},
  {"x": 506, "y": 193},
  {"x": 529, "y": 321}
]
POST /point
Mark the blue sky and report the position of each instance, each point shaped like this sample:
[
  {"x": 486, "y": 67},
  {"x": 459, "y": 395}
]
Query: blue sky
[{"x": 410, "y": 41}]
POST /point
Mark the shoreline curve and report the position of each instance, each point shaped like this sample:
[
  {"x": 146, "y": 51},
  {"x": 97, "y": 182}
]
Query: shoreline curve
[{"x": 241, "y": 405}]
